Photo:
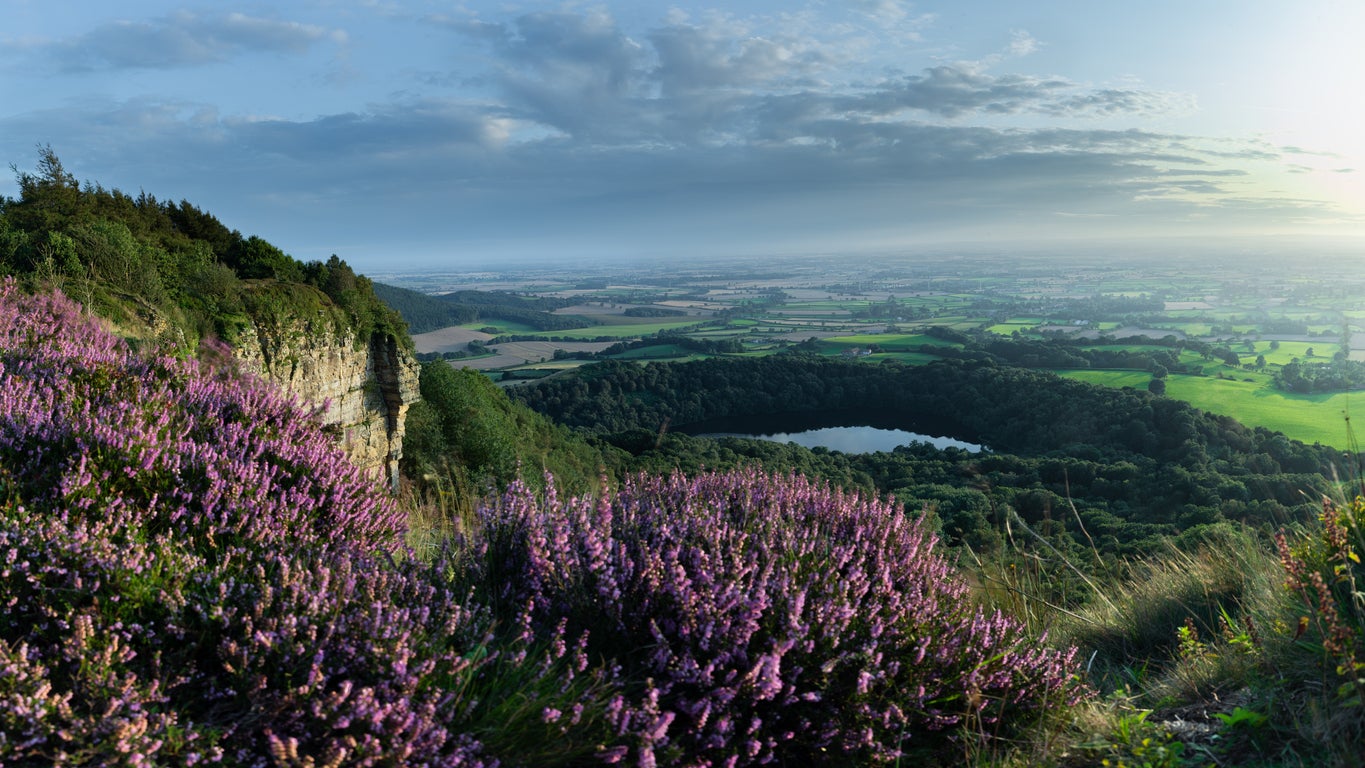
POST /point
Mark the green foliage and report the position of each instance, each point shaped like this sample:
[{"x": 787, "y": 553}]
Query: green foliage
[
  {"x": 467, "y": 434},
  {"x": 1339, "y": 375},
  {"x": 422, "y": 312},
  {"x": 1135, "y": 743},
  {"x": 1242, "y": 719},
  {"x": 148, "y": 265}
]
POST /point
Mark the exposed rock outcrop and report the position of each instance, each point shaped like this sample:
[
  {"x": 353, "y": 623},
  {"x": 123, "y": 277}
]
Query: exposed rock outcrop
[{"x": 367, "y": 386}]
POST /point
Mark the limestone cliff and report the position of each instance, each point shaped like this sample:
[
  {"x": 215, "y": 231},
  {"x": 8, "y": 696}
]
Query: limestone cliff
[{"x": 367, "y": 384}]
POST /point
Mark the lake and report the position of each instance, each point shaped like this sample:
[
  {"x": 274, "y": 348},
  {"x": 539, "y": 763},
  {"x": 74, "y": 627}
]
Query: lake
[{"x": 847, "y": 432}]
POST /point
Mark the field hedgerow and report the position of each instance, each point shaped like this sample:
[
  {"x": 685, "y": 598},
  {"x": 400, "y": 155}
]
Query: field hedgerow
[{"x": 191, "y": 573}]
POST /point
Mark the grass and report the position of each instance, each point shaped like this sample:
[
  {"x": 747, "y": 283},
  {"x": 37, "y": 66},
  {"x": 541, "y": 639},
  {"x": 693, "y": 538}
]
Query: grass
[
  {"x": 1007, "y": 329},
  {"x": 1288, "y": 350},
  {"x": 549, "y": 365},
  {"x": 1196, "y": 656},
  {"x": 1317, "y": 418},
  {"x": 629, "y": 331},
  {"x": 1313, "y": 418}
]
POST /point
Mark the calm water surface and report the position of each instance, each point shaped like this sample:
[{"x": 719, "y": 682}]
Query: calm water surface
[{"x": 851, "y": 439}]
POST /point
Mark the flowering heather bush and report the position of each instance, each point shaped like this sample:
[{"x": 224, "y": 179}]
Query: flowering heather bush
[
  {"x": 184, "y": 574},
  {"x": 770, "y": 620},
  {"x": 148, "y": 445}
]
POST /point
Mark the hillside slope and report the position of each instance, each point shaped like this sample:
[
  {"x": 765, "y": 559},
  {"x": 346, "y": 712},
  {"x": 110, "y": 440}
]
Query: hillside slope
[{"x": 170, "y": 274}]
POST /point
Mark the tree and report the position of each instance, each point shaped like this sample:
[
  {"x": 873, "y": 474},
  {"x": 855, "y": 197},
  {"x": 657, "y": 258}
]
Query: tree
[
  {"x": 1260, "y": 362},
  {"x": 1157, "y": 386},
  {"x": 48, "y": 199}
]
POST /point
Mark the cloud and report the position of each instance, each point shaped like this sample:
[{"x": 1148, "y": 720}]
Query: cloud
[
  {"x": 718, "y": 127},
  {"x": 183, "y": 39},
  {"x": 1108, "y": 102},
  {"x": 883, "y": 9},
  {"x": 726, "y": 80},
  {"x": 575, "y": 72},
  {"x": 952, "y": 91},
  {"x": 423, "y": 129},
  {"x": 698, "y": 58},
  {"x": 1022, "y": 43}
]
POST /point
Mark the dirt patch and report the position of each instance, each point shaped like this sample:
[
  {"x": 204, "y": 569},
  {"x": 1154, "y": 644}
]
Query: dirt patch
[
  {"x": 592, "y": 310},
  {"x": 516, "y": 353},
  {"x": 493, "y": 363},
  {"x": 452, "y": 339}
]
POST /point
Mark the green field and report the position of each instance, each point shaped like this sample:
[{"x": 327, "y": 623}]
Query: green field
[
  {"x": 632, "y": 331},
  {"x": 1289, "y": 350},
  {"x": 1309, "y": 418},
  {"x": 1005, "y": 329}
]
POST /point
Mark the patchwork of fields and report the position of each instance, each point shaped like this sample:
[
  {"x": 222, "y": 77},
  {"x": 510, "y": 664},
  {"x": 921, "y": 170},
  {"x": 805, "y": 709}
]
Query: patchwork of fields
[{"x": 911, "y": 318}]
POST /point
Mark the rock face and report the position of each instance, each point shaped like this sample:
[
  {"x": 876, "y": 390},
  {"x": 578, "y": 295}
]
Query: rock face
[{"x": 366, "y": 386}]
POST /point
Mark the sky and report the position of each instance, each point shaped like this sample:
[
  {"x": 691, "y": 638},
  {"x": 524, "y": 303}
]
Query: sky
[{"x": 407, "y": 134}]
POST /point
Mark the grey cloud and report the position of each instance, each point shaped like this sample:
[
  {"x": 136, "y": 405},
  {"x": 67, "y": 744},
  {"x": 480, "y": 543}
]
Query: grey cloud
[
  {"x": 693, "y": 58},
  {"x": 419, "y": 129},
  {"x": 1292, "y": 150},
  {"x": 689, "y": 125},
  {"x": 183, "y": 39},
  {"x": 1107, "y": 102},
  {"x": 437, "y": 170},
  {"x": 954, "y": 91},
  {"x": 574, "y": 72},
  {"x": 1204, "y": 172},
  {"x": 1243, "y": 151},
  {"x": 580, "y": 74}
]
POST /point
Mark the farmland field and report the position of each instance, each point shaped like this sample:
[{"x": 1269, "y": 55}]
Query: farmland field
[
  {"x": 623, "y": 331},
  {"x": 1310, "y": 418},
  {"x": 1191, "y": 320}
]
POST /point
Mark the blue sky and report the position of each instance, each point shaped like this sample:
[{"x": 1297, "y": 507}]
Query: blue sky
[{"x": 427, "y": 134}]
